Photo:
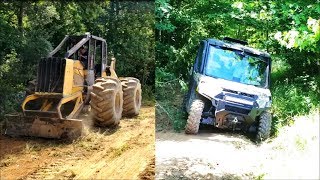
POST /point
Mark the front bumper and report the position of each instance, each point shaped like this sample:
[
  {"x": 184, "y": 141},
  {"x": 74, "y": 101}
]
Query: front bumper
[{"x": 235, "y": 112}]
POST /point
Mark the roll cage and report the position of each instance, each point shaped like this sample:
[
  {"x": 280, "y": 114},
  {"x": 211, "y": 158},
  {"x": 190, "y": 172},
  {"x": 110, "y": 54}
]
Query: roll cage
[{"x": 70, "y": 45}]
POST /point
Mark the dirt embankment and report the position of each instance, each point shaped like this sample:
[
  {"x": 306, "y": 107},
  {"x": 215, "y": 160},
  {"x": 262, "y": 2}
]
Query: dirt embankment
[
  {"x": 123, "y": 153},
  {"x": 213, "y": 154}
]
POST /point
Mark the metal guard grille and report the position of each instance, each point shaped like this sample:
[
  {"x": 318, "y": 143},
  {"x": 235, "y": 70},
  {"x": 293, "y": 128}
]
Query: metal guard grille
[{"x": 51, "y": 75}]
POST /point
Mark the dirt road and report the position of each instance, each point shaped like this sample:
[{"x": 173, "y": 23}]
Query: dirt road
[
  {"x": 123, "y": 153},
  {"x": 294, "y": 154}
]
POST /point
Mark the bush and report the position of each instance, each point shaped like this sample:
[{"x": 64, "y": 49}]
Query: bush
[
  {"x": 148, "y": 95},
  {"x": 11, "y": 87},
  {"x": 289, "y": 100},
  {"x": 169, "y": 96}
]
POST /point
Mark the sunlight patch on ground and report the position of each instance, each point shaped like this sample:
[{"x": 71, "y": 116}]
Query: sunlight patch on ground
[{"x": 293, "y": 154}]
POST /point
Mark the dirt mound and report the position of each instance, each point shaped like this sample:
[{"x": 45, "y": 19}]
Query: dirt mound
[{"x": 149, "y": 172}]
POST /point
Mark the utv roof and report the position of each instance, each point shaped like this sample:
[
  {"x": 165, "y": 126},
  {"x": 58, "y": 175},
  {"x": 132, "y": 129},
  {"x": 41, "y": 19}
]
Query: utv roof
[{"x": 237, "y": 46}]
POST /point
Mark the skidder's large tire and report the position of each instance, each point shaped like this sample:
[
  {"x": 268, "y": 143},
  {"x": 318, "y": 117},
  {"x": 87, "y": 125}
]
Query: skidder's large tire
[
  {"x": 264, "y": 127},
  {"x": 193, "y": 122},
  {"x": 106, "y": 101},
  {"x": 131, "y": 96}
]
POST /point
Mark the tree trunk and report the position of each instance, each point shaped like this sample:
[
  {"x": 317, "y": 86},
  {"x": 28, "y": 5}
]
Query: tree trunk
[{"x": 20, "y": 16}]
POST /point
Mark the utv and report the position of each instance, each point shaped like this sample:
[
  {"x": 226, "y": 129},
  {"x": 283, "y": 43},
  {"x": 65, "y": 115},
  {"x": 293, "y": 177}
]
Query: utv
[{"x": 229, "y": 88}]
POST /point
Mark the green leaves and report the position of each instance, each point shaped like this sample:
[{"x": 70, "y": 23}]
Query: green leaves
[
  {"x": 10, "y": 61},
  {"x": 162, "y": 13},
  {"x": 303, "y": 40}
]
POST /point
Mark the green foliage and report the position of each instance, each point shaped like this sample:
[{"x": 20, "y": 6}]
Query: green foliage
[
  {"x": 169, "y": 97},
  {"x": 148, "y": 95},
  {"x": 10, "y": 85},
  {"x": 162, "y": 14},
  {"x": 131, "y": 39},
  {"x": 254, "y": 21},
  {"x": 289, "y": 100}
]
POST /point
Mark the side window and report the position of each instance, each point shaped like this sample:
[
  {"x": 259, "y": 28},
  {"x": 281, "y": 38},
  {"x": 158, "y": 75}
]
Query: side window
[
  {"x": 199, "y": 57},
  {"x": 98, "y": 53},
  {"x": 92, "y": 53},
  {"x": 103, "y": 56}
]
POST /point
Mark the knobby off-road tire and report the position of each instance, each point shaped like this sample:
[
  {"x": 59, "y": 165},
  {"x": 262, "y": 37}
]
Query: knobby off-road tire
[
  {"x": 131, "y": 96},
  {"x": 106, "y": 101},
  {"x": 264, "y": 126},
  {"x": 193, "y": 122}
]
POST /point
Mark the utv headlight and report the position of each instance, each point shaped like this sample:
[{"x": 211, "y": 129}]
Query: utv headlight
[
  {"x": 208, "y": 89},
  {"x": 264, "y": 101},
  {"x": 268, "y": 104}
]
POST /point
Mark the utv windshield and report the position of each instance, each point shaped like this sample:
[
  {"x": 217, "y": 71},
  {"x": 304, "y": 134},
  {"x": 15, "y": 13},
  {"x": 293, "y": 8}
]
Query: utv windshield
[{"x": 236, "y": 66}]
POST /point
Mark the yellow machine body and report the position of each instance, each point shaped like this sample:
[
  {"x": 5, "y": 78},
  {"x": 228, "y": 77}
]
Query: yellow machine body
[
  {"x": 62, "y": 89},
  {"x": 51, "y": 119}
]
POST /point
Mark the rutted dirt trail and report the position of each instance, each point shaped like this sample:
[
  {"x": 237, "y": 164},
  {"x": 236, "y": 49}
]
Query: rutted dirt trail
[
  {"x": 123, "y": 153},
  {"x": 294, "y": 154}
]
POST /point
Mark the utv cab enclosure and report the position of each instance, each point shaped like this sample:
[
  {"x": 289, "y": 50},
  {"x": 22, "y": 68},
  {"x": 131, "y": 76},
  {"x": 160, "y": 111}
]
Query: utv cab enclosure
[{"x": 229, "y": 88}]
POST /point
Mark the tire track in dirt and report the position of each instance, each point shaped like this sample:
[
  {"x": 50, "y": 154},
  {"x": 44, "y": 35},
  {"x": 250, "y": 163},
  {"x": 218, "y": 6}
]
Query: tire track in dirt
[
  {"x": 122, "y": 153},
  {"x": 119, "y": 155}
]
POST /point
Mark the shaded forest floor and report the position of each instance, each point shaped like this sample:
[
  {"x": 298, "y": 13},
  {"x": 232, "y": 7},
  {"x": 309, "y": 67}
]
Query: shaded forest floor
[
  {"x": 126, "y": 153},
  {"x": 213, "y": 154}
]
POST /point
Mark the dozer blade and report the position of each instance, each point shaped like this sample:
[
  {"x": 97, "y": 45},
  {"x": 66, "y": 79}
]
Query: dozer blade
[{"x": 19, "y": 125}]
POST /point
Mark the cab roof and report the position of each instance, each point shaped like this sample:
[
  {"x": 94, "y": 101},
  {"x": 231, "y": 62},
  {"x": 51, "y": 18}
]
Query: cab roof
[{"x": 237, "y": 46}]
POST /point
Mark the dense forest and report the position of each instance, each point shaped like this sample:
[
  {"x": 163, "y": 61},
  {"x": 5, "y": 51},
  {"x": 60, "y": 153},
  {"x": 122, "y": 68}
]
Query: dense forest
[
  {"x": 288, "y": 30},
  {"x": 31, "y": 29}
]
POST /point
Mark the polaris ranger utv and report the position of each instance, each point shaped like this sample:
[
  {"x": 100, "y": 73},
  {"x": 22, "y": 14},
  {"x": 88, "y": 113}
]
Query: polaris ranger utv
[{"x": 229, "y": 88}]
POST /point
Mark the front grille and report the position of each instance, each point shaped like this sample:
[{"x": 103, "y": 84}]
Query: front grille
[
  {"x": 237, "y": 110},
  {"x": 231, "y": 91},
  {"x": 240, "y": 93},
  {"x": 248, "y": 95},
  {"x": 51, "y": 75}
]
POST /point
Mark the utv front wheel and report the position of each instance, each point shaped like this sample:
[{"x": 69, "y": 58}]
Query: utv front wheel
[
  {"x": 194, "y": 117},
  {"x": 264, "y": 127}
]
